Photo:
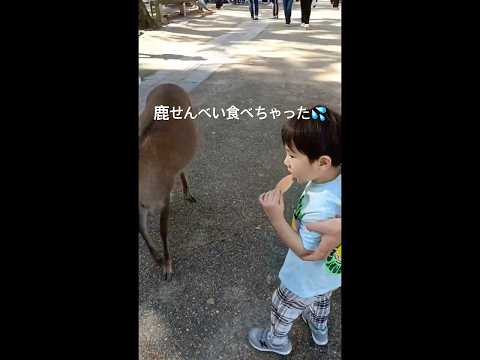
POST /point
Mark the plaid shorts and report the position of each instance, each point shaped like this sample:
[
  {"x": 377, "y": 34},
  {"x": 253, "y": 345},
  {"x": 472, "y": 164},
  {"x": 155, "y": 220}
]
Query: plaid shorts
[{"x": 287, "y": 307}]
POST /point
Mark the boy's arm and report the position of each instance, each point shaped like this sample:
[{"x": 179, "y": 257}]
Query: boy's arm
[
  {"x": 289, "y": 237},
  {"x": 272, "y": 203}
]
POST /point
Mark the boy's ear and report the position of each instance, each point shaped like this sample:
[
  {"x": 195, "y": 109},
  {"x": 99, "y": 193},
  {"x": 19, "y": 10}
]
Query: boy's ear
[{"x": 325, "y": 161}]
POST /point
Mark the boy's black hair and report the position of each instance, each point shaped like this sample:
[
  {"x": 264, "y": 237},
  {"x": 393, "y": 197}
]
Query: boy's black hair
[{"x": 315, "y": 138}]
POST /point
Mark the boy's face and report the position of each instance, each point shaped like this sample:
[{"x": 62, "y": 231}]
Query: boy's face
[{"x": 300, "y": 167}]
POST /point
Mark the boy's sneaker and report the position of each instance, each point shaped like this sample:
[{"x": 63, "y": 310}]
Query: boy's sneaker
[
  {"x": 320, "y": 337},
  {"x": 306, "y": 26},
  {"x": 258, "y": 339},
  {"x": 255, "y": 18}
]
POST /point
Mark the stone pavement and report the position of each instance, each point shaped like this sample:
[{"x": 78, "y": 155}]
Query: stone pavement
[{"x": 226, "y": 255}]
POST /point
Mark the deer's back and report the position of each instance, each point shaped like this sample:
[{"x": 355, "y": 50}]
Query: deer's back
[{"x": 166, "y": 146}]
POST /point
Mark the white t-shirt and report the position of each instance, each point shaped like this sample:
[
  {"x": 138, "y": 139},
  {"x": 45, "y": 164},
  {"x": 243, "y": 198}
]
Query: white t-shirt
[{"x": 310, "y": 278}]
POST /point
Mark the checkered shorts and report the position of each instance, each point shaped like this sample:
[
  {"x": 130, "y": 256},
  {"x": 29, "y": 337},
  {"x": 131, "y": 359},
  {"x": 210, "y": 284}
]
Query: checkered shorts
[{"x": 287, "y": 307}]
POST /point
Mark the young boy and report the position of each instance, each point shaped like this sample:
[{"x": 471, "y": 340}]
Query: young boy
[{"x": 313, "y": 148}]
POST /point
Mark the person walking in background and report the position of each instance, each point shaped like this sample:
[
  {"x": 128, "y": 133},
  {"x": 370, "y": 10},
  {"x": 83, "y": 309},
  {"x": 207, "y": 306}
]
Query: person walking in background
[
  {"x": 275, "y": 9},
  {"x": 203, "y": 6},
  {"x": 287, "y": 9},
  {"x": 254, "y": 9},
  {"x": 335, "y": 3},
  {"x": 306, "y": 9}
]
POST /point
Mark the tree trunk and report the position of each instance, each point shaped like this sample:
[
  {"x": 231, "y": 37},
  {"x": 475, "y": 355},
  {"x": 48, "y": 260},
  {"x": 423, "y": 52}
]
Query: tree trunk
[
  {"x": 145, "y": 21},
  {"x": 158, "y": 14}
]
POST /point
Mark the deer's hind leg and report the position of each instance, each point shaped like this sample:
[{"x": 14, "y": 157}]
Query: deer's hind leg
[
  {"x": 186, "y": 190},
  {"x": 143, "y": 227},
  {"x": 167, "y": 260}
]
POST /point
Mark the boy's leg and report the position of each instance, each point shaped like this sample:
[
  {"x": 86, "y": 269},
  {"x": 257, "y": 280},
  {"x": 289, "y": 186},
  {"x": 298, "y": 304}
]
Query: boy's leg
[
  {"x": 316, "y": 315},
  {"x": 286, "y": 308}
]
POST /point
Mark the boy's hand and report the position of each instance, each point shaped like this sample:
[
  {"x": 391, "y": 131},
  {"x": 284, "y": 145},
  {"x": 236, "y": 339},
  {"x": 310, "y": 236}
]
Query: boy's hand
[{"x": 273, "y": 205}]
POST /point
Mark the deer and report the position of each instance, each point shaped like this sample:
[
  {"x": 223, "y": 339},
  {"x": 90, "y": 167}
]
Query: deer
[{"x": 166, "y": 147}]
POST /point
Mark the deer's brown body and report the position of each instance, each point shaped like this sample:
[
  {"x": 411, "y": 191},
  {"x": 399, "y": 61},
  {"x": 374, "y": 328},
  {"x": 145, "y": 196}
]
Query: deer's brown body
[{"x": 166, "y": 147}]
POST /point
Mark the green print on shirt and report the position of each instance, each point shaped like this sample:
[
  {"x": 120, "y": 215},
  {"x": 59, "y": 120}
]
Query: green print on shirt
[
  {"x": 297, "y": 214},
  {"x": 334, "y": 261}
]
